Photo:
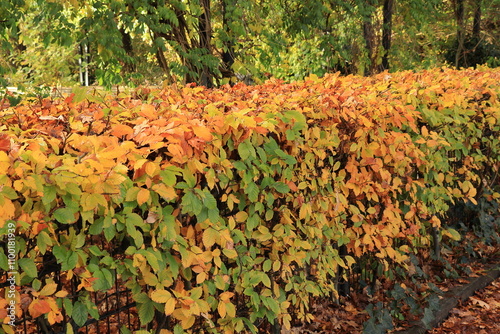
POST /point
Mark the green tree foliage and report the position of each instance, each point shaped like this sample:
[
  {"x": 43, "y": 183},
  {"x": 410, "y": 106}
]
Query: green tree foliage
[{"x": 213, "y": 42}]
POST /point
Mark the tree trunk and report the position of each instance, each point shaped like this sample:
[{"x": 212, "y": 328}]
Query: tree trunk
[
  {"x": 388, "y": 10},
  {"x": 205, "y": 36},
  {"x": 129, "y": 50},
  {"x": 369, "y": 36},
  {"x": 476, "y": 26},
  {"x": 460, "y": 18},
  {"x": 369, "y": 44},
  {"x": 228, "y": 53}
]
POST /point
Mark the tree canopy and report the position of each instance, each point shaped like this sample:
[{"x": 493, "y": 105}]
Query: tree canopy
[{"x": 213, "y": 42}]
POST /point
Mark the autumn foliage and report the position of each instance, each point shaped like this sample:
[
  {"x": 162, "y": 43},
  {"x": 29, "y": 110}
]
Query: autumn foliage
[{"x": 225, "y": 206}]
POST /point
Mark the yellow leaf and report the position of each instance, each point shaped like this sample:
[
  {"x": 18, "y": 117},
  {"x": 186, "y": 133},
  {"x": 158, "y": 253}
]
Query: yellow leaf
[
  {"x": 188, "y": 322},
  {"x": 409, "y": 215},
  {"x": 164, "y": 191},
  {"x": 225, "y": 296},
  {"x": 210, "y": 237},
  {"x": 453, "y": 234},
  {"x": 230, "y": 253},
  {"x": 48, "y": 289},
  {"x": 221, "y": 308},
  {"x": 7, "y": 210},
  {"x": 161, "y": 296},
  {"x": 151, "y": 168},
  {"x": 170, "y": 306},
  {"x": 472, "y": 192},
  {"x": 241, "y": 216},
  {"x": 61, "y": 294},
  {"x": 142, "y": 196},
  {"x": 52, "y": 317},
  {"x": 425, "y": 132},
  {"x": 350, "y": 260},
  {"x": 8, "y": 329},
  {"x": 201, "y": 277},
  {"x": 435, "y": 221}
]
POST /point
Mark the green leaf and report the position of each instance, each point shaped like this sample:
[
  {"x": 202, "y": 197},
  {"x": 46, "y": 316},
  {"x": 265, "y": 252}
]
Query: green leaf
[
  {"x": 152, "y": 259},
  {"x": 49, "y": 194},
  {"x": 104, "y": 280},
  {"x": 281, "y": 187},
  {"x": 9, "y": 192},
  {"x": 68, "y": 306},
  {"x": 125, "y": 330},
  {"x": 96, "y": 227},
  {"x": 43, "y": 240},
  {"x": 191, "y": 203},
  {"x": 252, "y": 190},
  {"x": 70, "y": 262},
  {"x": 28, "y": 266},
  {"x": 65, "y": 215},
  {"x": 80, "y": 313},
  {"x": 146, "y": 312},
  {"x": 213, "y": 215},
  {"x": 190, "y": 178},
  {"x": 60, "y": 253},
  {"x": 252, "y": 222},
  {"x": 4, "y": 262},
  {"x": 209, "y": 200},
  {"x": 168, "y": 177},
  {"x": 246, "y": 150},
  {"x": 297, "y": 117},
  {"x": 134, "y": 219}
]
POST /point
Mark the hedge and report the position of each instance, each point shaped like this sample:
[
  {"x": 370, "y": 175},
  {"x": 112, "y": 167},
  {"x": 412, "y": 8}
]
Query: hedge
[{"x": 220, "y": 208}]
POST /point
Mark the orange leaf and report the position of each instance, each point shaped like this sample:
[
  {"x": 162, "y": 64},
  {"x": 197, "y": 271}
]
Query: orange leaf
[
  {"x": 176, "y": 150},
  {"x": 120, "y": 130},
  {"x": 292, "y": 186},
  {"x": 142, "y": 196},
  {"x": 39, "y": 307},
  {"x": 202, "y": 132},
  {"x": 4, "y": 143},
  {"x": 69, "y": 99},
  {"x": 148, "y": 111},
  {"x": 54, "y": 316}
]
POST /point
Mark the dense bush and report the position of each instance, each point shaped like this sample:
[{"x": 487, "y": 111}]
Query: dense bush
[{"x": 222, "y": 208}]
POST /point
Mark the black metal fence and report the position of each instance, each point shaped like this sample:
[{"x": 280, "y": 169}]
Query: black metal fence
[{"x": 116, "y": 310}]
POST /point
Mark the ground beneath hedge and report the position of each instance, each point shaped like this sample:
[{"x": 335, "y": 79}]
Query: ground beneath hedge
[{"x": 480, "y": 314}]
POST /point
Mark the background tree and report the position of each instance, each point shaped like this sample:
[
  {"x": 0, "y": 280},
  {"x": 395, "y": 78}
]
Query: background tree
[{"x": 213, "y": 42}]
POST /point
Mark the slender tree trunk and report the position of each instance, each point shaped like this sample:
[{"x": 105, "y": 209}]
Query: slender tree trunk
[
  {"x": 129, "y": 50},
  {"x": 476, "y": 26},
  {"x": 388, "y": 10},
  {"x": 369, "y": 44},
  {"x": 369, "y": 37},
  {"x": 205, "y": 36},
  {"x": 460, "y": 18},
  {"x": 228, "y": 53}
]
